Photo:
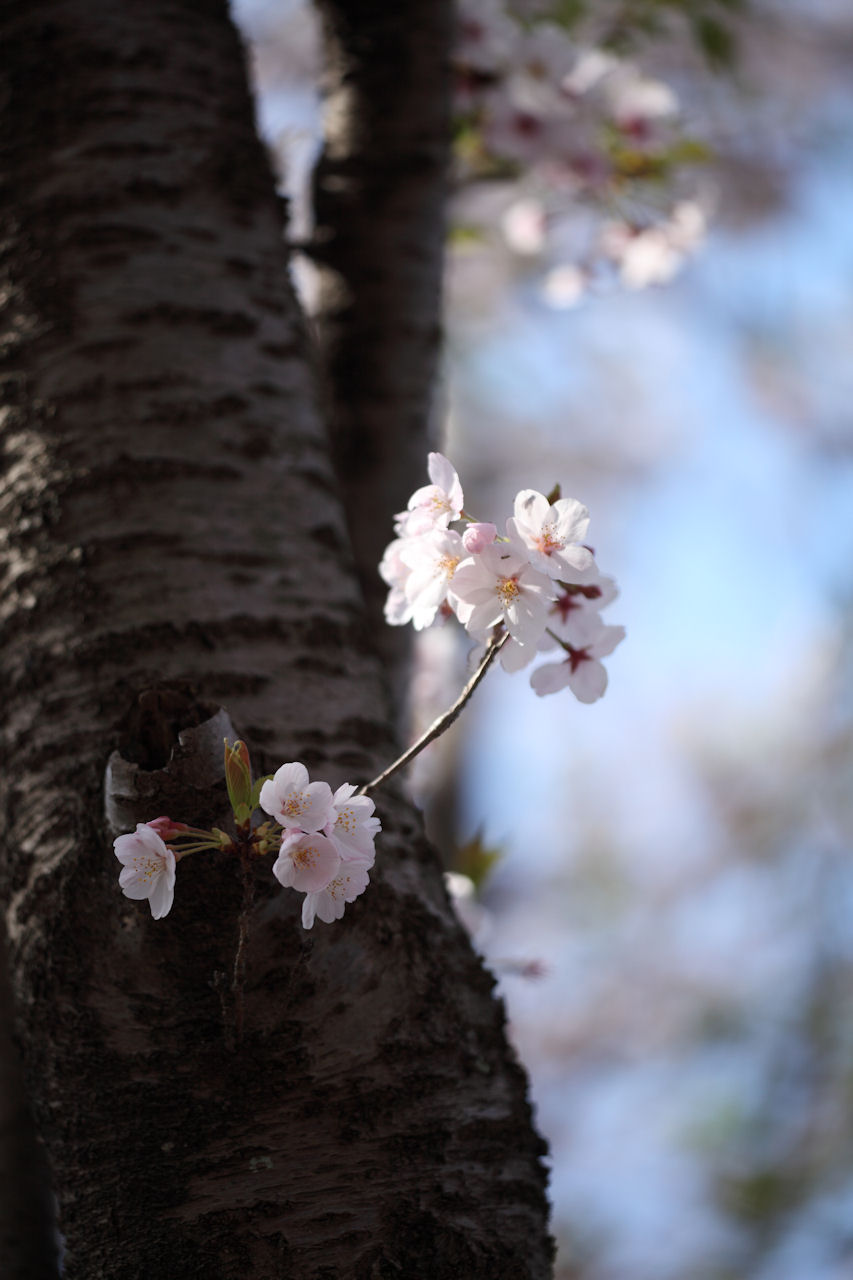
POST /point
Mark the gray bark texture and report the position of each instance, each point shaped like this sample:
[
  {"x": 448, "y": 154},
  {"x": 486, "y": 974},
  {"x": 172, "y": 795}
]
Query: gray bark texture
[{"x": 173, "y": 542}]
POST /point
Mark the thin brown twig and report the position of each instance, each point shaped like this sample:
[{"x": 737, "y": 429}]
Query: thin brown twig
[
  {"x": 238, "y": 982},
  {"x": 446, "y": 719}
]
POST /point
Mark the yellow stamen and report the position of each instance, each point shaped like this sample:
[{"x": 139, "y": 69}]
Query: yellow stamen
[
  {"x": 548, "y": 541},
  {"x": 508, "y": 590}
]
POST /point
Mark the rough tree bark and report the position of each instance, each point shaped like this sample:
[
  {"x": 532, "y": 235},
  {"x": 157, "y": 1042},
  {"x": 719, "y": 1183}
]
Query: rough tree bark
[
  {"x": 173, "y": 542},
  {"x": 28, "y": 1245}
]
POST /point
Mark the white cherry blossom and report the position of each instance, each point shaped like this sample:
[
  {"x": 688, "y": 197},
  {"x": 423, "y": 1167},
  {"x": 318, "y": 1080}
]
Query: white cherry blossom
[
  {"x": 148, "y": 868},
  {"x": 653, "y": 254},
  {"x": 545, "y": 55},
  {"x": 432, "y": 560},
  {"x": 635, "y": 99},
  {"x": 515, "y": 657},
  {"x": 436, "y": 504},
  {"x": 549, "y": 534},
  {"x": 328, "y": 903},
  {"x": 307, "y": 861},
  {"x": 588, "y": 72},
  {"x": 540, "y": 583},
  {"x": 564, "y": 286},
  {"x": 500, "y": 586},
  {"x": 295, "y": 802},
  {"x": 574, "y": 616},
  {"x": 354, "y": 827},
  {"x": 525, "y": 226},
  {"x": 395, "y": 572}
]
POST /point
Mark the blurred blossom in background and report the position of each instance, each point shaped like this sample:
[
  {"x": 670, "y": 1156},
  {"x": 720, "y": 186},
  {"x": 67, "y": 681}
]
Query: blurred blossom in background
[{"x": 671, "y": 916}]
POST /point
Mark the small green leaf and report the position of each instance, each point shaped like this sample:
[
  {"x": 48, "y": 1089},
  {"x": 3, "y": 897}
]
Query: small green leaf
[
  {"x": 256, "y": 790},
  {"x": 690, "y": 151},
  {"x": 715, "y": 40},
  {"x": 475, "y": 859},
  {"x": 463, "y": 233},
  {"x": 238, "y": 774}
]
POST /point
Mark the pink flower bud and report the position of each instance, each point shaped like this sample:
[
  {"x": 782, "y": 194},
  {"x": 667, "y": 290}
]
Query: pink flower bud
[
  {"x": 479, "y": 536},
  {"x": 166, "y": 828}
]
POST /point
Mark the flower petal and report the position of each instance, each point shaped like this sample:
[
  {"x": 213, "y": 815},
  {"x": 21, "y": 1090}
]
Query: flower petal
[
  {"x": 551, "y": 678},
  {"x": 306, "y": 862},
  {"x": 607, "y": 641},
  {"x": 291, "y": 776},
  {"x": 531, "y": 508},
  {"x": 162, "y": 896},
  {"x": 588, "y": 681},
  {"x": 572, "y": 519}
]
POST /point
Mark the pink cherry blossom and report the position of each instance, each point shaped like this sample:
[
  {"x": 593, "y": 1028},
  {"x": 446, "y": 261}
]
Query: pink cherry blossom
[
  {"x": 295, "y": 802},
  {"x": 576, "y": 608},
  {"x": 581, "y": 669},
  {"x": 354, "y": 828},
  {"x": 549, "y": 534},
  {"x": 328, "y": 903},
  {"x": 479, "y": 536},
  {"x": 485, "y": 36},
  {"x": 148, "y": 869},
  {"x": 166, "y": 828},
  {"x": 307, "y": 861},
  {"x": 500, "y": 586},
  {"x": 517, "y": 131}
]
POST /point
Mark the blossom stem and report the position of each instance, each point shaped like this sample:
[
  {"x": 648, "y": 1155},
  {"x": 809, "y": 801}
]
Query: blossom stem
[
  {"x": 238, "y": 981},
  {"x": 562, "y": 643},
  {"x": 446, "y": 719},
  {"x": 180, "y": 851}
]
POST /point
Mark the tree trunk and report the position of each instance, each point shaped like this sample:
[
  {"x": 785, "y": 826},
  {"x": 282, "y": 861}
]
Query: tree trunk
[
  {"x": 27, "y": 1237},
  {"x": 174, "y": 543}
]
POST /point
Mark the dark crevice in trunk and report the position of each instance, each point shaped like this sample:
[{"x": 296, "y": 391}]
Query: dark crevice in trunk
[{"x": 379, "y": 200}]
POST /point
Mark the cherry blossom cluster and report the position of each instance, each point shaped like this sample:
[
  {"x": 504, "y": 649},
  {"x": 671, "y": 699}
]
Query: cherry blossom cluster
[
  {"x": 327, "y": 840},
  {"x": 571, "y": 124},
  {"x": 537, "y": 585},
  {"x": 324, "y": 840}
]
